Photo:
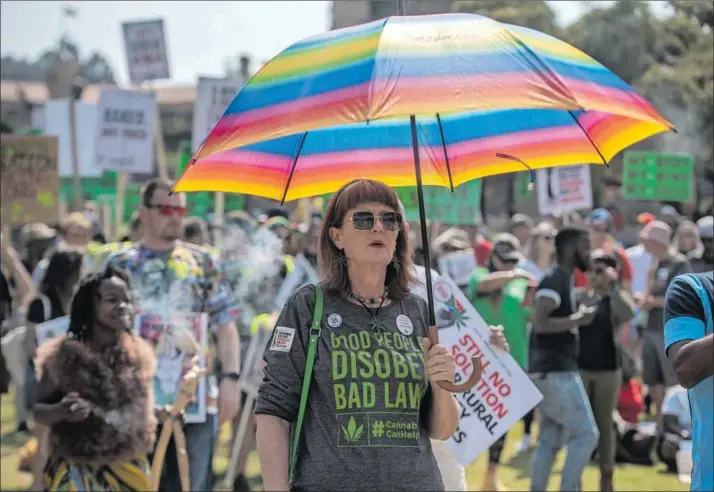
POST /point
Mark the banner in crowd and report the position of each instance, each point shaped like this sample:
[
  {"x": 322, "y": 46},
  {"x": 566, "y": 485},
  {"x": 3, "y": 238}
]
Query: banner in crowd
[
  {"x": 51, "y": 329},
  {"x": 125, "y": 131},
  {"x": 657, "y": 176},
  {"x": 302, "y": 274},
  {"x": 56, "y": 121},
  {"x": 504, "y": 394},
  {"x": 212, "y": 98},
  {"x": 145, "y": 45},
  {"x": 177, "y": 338},
  {"x": 29, "y": 179},
  {"x": 564, "y": 189}
]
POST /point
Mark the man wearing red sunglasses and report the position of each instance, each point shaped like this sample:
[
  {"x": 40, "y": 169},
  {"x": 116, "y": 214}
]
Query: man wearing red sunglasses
[{"x": 169, "y": 275}]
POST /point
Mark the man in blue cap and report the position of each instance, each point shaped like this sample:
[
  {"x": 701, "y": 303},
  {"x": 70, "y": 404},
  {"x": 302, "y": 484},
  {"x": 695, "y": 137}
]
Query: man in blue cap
[{"x": 600, "y": 225}]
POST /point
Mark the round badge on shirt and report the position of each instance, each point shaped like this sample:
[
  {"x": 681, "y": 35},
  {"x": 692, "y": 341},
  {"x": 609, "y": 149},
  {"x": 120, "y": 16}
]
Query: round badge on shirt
[
  {"x": 334, "y": 320},
  {"x": 404, "y": 325}
]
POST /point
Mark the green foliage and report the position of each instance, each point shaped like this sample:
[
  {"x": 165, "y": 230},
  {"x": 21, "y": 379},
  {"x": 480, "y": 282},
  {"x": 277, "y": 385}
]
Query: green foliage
[{"x": 535, "y": 14}]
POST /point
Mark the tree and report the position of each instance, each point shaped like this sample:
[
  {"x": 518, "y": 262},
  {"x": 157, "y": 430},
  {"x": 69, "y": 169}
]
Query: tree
[{"x": 533, "y": 14}]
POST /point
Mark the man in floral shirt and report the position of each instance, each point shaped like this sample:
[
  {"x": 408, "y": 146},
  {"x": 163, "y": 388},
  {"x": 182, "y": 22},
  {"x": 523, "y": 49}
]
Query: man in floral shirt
[{"x": 171, "y": 276}]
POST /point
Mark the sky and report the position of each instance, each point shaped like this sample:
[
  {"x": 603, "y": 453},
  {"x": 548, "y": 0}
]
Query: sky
[{"x": 201, "y": 35}]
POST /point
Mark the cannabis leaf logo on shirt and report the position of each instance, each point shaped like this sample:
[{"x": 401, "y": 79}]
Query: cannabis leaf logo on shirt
[{"x": 352, "y": 432}]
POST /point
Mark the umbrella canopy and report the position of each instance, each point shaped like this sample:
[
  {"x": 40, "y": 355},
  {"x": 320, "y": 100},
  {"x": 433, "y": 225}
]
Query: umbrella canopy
[{"x": 336, "y": 107}]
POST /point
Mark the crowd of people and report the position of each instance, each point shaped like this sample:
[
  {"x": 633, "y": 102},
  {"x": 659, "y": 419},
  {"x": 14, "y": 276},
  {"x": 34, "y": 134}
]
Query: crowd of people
[{"x": 585, "y": 316}]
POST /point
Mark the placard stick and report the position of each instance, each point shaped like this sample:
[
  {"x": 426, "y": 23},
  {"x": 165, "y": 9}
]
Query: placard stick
[
  {"x": 106, "y": 219},
  {"x": 122, "y": 181},
  {"x": 75, "y": 157},
  {"x": 219, "y": 211},
  {"x": 159, "y": 147}
]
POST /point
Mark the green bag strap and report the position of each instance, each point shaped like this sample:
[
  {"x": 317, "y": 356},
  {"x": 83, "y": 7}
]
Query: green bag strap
[{"x": 315, "y": 330}]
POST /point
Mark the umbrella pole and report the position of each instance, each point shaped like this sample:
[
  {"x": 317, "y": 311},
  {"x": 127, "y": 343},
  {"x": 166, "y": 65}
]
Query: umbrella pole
[
  {"x": 433, "y": 330},
  {"x": 422, "y": 221}
]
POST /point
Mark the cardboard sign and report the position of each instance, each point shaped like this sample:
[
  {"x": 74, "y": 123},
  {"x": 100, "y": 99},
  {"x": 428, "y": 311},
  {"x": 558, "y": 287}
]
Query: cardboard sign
[
  {"x": 177, "y": 338},
  {"x": 56, "y": 122},
  {"x": 657, "y": 176},
  {"x": 51, "y": 329},
  {"x": 29, "y": 179},
  {"x": 212, "y": 98},
  {"x": 125, "y": 131},
  {"x": 145, "y": 46},
  {"x": 503, "y": 395},
  {"x": 564, "y": 189}
]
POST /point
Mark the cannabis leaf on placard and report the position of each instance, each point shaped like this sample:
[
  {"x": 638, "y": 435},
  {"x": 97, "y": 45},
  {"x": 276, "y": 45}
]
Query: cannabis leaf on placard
[
  {"x": 352, "y": 432},
  {"x": 459, "y": 317}
]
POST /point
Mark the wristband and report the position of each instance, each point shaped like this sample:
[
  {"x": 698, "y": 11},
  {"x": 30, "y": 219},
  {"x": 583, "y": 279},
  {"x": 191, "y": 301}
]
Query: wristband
[{"x": 233, "y": 376}]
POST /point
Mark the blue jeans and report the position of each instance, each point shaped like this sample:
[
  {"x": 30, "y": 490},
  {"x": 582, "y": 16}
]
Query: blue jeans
[
  {"x": 200, "y": 443},
  {"x": 566, "y": 419}
]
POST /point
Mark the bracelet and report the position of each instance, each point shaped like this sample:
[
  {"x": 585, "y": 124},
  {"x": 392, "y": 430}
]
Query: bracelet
[{"x": 233, "y": 376}]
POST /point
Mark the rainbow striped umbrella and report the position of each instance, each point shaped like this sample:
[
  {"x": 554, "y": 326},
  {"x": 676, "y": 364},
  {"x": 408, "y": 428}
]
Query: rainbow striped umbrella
[
  {"x": 435, "y": 100},
  {"x": 337, "y": 106}
]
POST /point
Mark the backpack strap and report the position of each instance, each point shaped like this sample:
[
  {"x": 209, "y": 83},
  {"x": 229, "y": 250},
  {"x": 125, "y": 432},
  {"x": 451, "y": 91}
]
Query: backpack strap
[{"x": 315, "y": 330}]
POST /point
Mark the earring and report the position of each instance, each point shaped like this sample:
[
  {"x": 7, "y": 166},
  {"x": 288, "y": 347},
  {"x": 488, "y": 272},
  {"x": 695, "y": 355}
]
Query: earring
[
  {"x": 341, "y": 259},
  {"x": 395, "y": 263}
]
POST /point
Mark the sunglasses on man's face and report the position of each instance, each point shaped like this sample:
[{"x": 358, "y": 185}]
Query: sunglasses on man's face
[
  {"x": 364, "y": 221},
  {"x": 168, "y": 210}
]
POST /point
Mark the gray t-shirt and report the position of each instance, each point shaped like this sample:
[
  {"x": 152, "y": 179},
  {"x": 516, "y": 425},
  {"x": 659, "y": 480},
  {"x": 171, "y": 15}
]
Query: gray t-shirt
[
  {"x": 663, "y": 276},
  {"x": 365, "y": 420}
]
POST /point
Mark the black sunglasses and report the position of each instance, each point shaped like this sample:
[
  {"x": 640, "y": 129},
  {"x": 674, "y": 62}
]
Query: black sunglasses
[{"x": 364, "y": 221}]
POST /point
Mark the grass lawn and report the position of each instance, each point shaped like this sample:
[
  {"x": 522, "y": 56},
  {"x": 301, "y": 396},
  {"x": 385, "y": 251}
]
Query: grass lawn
[{"x": 513, "y": 472}]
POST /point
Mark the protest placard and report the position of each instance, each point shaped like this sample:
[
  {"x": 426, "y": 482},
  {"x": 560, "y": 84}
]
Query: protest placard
[
  {"x": 29, "y": 179},
  {"x": 458, "y": 265},
  {"x": 125, "y": 131},
  {"x": 212, "y": 98},
  {"x": 564, "y": 189},
  {"x": 51, "y": 329},
  {"x": 178, "y": 338},
  {"x": 504, "y": 394},
  {"x": 657, "y": 176},
  {"x": 146, "y": 53},
  {"x": 56, "y": 122}
]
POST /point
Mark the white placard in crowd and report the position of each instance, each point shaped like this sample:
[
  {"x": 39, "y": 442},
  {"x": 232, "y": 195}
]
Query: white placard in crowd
[
  {"x": 564, "y": 189},
  {"x": 302, "y": 274},
  {"x": 458, "y": 265},
  {"x": 146, "y": 53},
  {"x": 51, "y": 329},
  {"x": 504, "y": 394},
  {"x": 55, "y": 122},
  {"x": 178, "y": 339},
  {"x": 125, "y": 131},
  {"x": 212, "y": 98}
]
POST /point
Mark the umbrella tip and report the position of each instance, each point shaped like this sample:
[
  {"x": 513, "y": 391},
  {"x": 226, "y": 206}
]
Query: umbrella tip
[{"x": 531, "y": 183}]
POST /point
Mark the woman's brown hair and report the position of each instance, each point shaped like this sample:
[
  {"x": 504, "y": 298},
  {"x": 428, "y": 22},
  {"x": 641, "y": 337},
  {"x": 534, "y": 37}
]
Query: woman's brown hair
[{"x": 399, "y": 279}]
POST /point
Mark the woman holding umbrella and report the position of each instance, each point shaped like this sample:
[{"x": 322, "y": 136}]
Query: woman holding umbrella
[{"x": 373, "y": 400}]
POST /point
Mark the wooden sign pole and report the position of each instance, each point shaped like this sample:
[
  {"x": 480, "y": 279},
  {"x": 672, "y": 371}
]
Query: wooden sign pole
[
  {"x": 78, "y": 199},
  {"x": 159, "y": 147},
  {"x": 219, "y": 212},
  {"x": 122, "y": 181}
]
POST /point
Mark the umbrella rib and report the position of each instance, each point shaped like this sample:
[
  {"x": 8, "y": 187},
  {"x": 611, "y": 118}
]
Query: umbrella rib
[
  {"x": 589, "y": 139},
  {"x": 292, "y": 168},
  {"x": 446, "y": 156}
]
